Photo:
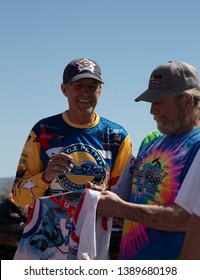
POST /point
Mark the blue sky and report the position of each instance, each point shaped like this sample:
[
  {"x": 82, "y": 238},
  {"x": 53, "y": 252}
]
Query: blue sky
[{"x": 127, "y": 38}]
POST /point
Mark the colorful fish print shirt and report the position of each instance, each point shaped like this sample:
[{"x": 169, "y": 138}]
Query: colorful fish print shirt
[
  {"x": 100, "y": 151},
  {"x": 58, "y": 227},
  {"x": 158, "y": 172}
]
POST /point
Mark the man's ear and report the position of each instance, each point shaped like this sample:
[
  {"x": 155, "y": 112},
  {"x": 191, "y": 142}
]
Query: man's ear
[
  {"x": 64, "y": 89},
  {"x": 189, "y": 99}
]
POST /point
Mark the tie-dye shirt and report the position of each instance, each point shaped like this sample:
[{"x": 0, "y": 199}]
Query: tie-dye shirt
[{"x": 159, "y": 170}]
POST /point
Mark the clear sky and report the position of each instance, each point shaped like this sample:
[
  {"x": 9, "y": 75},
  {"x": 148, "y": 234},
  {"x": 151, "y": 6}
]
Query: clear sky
[{"x": 127, "y": 38}]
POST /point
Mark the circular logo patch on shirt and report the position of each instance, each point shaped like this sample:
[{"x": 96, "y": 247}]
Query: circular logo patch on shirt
[{"x": 88, "y": 165}]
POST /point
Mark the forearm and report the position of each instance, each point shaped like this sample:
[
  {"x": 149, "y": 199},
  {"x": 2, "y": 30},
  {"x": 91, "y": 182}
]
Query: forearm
[
  {"x": 26, "y": 190},
  {"x": 29, "y": 184},
  {"x": 168, "y": 218},
  {"x": 191, "y": 247}
]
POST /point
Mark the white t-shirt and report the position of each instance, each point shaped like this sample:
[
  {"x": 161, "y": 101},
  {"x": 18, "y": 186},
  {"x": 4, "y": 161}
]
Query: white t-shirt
[
  {"x": 189, "y": 194},
  {"x": 196, "y": 208}
]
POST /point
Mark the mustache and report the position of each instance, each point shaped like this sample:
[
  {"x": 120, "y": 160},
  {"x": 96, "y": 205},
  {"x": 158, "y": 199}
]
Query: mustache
[{"x": 159, "y": 118}]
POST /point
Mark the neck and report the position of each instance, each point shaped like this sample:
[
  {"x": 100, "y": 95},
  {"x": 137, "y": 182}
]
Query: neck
[
  {"x": 81, "y": 119},
  {"x": 188, "y": 128}
]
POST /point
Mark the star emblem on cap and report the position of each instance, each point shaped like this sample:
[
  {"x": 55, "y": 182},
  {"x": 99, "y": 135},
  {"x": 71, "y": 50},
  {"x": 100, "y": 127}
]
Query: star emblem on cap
[{"x": 86, "y": 64}]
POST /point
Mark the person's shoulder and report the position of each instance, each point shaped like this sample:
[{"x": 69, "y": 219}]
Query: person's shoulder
[
  {"x": 111, "y": 124},
  {"x": 49, "y": 119},
  {"x": 151, "y": 136}
]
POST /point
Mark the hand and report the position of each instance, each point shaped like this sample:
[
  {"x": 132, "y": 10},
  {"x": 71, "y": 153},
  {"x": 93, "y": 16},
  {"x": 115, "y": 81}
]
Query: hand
[
  {"x": 110, "y": 205},
  {"x": 57, "y": 165},
  {"x": 92, "y": 186}
]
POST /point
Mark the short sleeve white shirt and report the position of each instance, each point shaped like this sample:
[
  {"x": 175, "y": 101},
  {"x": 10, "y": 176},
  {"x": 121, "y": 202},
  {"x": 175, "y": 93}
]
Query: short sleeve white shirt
[
  {"x": 196, "y": 209},
  {"x": 189, "y": 194}
]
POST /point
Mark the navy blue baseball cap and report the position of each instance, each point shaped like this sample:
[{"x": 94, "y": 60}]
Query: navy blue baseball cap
[{"x": 81, "y": 68}]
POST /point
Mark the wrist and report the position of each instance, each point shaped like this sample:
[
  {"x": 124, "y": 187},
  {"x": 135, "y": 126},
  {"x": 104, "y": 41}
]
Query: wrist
[
  {"x": 44, "y": 179},
  {"x": 125, "y": 210}
]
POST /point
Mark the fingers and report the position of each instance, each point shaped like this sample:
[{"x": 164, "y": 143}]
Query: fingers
[
  {"x": 92, "y": 186},
  {"x": 62, "y": 160},
  {"x": 61, "y": 163},
  {"x": 88, "y": 185},
  {"x": 58, "y": 165}
]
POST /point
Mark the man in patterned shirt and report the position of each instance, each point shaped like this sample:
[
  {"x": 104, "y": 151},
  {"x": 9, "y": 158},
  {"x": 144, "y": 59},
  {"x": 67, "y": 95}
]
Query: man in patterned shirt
[{"x": 155, "y": 225}]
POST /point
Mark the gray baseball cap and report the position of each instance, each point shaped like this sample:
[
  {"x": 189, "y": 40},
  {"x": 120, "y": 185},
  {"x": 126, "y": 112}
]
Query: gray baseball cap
[{"x": 168, "y": 78}]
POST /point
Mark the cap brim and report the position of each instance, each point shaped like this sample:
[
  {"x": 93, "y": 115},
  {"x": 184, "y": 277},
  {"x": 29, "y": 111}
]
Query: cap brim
[
  {"x": 152, "y": 95},
  {"x": 84, "y": 76}
]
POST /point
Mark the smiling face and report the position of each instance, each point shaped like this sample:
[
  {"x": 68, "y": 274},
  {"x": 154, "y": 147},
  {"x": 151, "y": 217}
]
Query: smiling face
[{"x": 82, "y": 97}]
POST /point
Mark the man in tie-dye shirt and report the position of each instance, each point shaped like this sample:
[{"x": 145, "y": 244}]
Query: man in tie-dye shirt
[{"x": 155, "y": 225}]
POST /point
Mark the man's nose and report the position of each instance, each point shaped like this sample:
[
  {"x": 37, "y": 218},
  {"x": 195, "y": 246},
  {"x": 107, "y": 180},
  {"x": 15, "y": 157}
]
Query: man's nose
[{"x": 154, "y": 108}]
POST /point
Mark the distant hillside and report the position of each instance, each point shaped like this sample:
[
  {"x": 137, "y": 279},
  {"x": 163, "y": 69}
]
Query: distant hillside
[{"x": 6, "y": 185}]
